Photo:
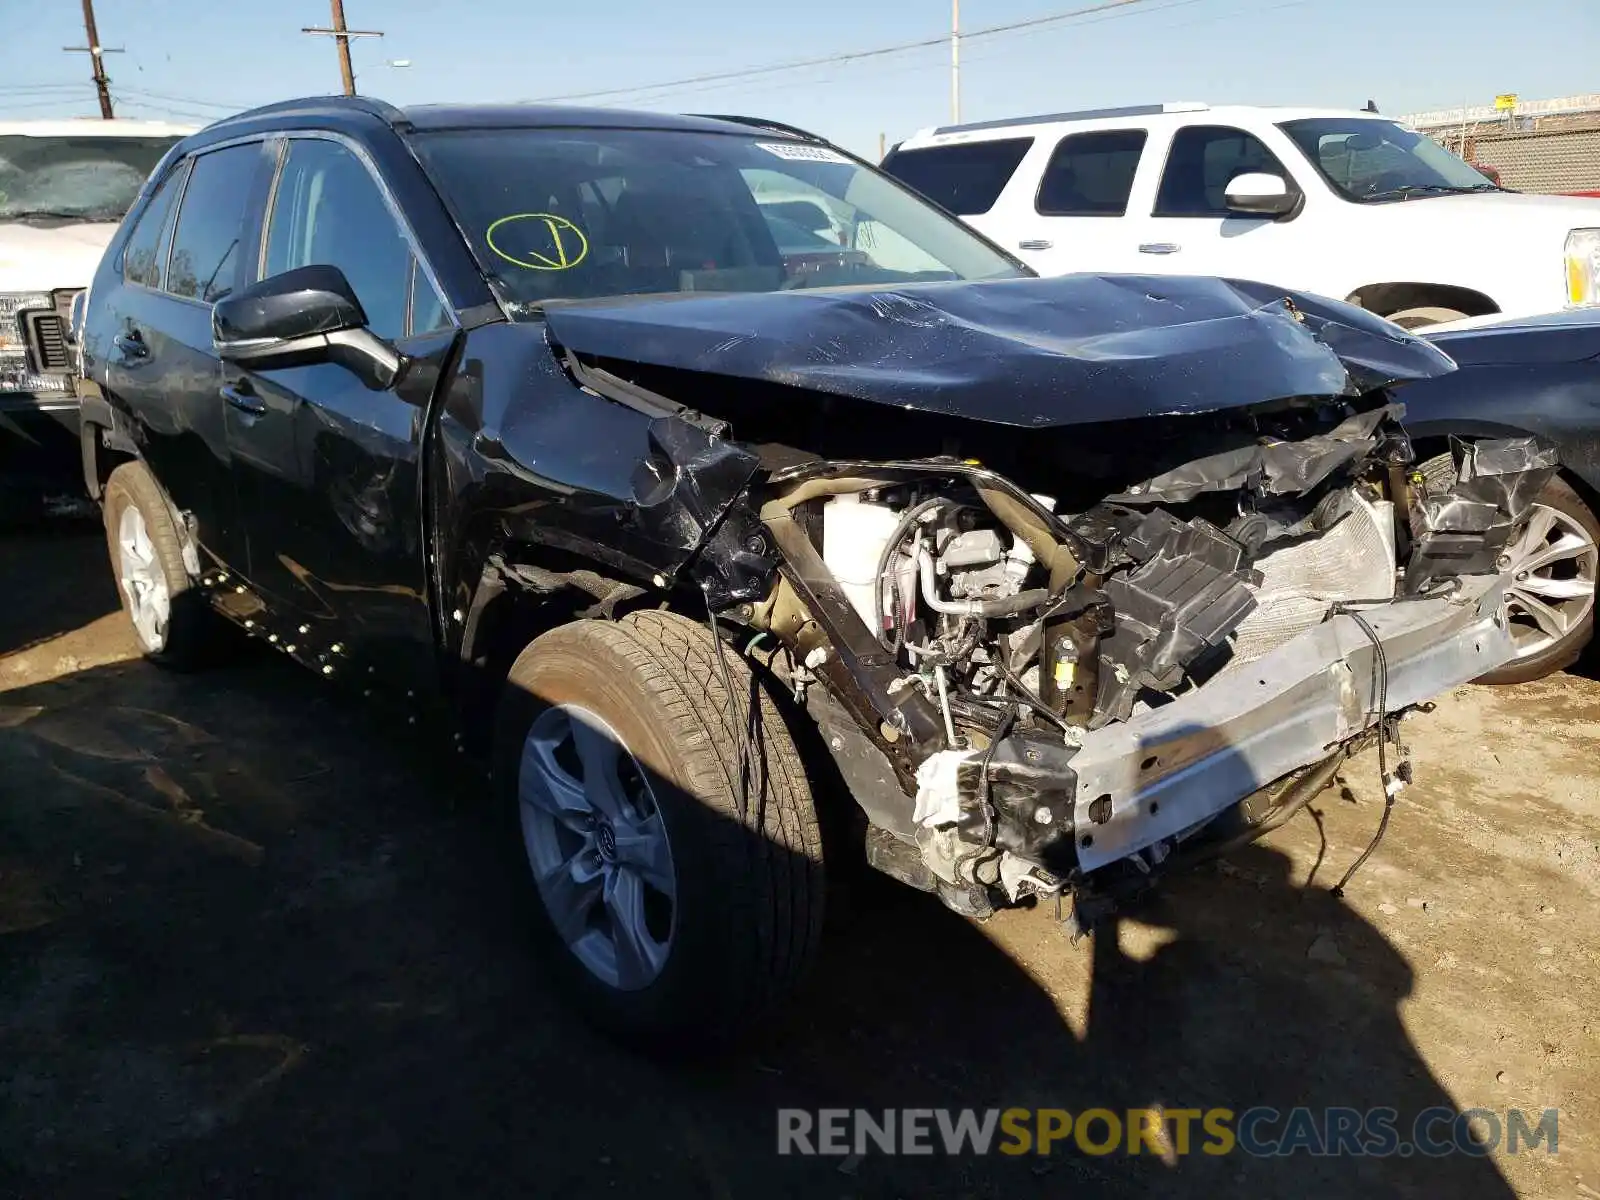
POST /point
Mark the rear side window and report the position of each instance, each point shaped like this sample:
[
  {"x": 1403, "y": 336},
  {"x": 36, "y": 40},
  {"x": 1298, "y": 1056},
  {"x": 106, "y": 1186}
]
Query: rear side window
[
  {"x": 329, "y": 210},
  {"x": 205, "y": 244},
  {"x": 965, "y": 179},
  {"x": 1203, "y": 160},
  {"x": 142, "y": 257},
  {"x": 1091, "y": 174}
]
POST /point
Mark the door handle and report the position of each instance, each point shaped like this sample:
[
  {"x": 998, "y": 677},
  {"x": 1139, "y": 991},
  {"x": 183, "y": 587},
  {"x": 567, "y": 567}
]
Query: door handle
[
  {"x": 1034, "y": 244},
  {"x": 245, "y": 402},
  {"x": 1159, "y": 248},
  {"x": 131, "y": 343}
]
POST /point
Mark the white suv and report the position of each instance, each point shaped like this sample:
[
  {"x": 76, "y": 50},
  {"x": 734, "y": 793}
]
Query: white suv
[{"x": 1345, "y": 204}]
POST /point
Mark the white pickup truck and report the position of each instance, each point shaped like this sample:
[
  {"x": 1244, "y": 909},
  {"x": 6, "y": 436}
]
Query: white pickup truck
[
  {"x": 1350, "y": 205},
  {"x": 64, "y": 187}
]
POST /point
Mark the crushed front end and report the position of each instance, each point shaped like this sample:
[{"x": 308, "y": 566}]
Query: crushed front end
[
  {"x": 1061, "y": 694},
  {"x": 1049, "y": 659}
]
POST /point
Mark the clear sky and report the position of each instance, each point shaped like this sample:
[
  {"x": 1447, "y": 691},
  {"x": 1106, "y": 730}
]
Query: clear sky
[{"x": 188, "y": 59}]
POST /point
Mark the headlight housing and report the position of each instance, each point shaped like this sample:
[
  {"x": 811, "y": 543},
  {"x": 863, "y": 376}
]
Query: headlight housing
[
  {"x": 1583, "y": 266},
  {"x": 18, "y": 371}
]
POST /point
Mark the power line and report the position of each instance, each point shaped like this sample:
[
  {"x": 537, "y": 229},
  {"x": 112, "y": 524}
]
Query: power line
[
  {"x": 193, "y": 101},
  {"x": 58, "y": 102},
  {"x": 985, "y": 54},
  {"x": 42, "y": 88},
  {"x": 850, "y": 56}
]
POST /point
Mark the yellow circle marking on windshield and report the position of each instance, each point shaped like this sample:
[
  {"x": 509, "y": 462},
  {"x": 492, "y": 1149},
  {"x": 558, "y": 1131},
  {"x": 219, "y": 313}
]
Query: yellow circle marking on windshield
[{"x": 559, "y": 243}]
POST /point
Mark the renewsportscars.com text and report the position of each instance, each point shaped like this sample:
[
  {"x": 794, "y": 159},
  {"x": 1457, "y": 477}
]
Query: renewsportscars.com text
[{"x": 1167, "y": 1132}]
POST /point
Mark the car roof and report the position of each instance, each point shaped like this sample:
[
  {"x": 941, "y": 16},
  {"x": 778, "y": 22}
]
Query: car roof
[
  {"x": 1186, "y": 112},
  {"x": 556, "y": 116},
  {"x": 429, "y": 117},
  {"x": 94, "y": 127}
]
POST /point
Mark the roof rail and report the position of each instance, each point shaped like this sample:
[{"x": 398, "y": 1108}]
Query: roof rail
[
  {"x": 381, "y": 109},
  {"x": 762, "y": 123},
  {"x": 1085, "y": 114}
]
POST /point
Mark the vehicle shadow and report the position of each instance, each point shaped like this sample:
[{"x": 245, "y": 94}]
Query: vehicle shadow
[
  {"x": 256, "y": 941},
  {"x": 54, "y": 577}
]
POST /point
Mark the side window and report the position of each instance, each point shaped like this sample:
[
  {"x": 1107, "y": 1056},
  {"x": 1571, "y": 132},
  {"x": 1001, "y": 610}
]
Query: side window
[
  {"x": 141, "y": 257},
  {"x": 1091, "y": 174},
  {"x": 205, "y": 244},
  {"x": 1203, "y": 160},
  {"x": 329, "y": 210},
  {"x": 427, "y": 311},
  {"x": 964, "y": 178}
]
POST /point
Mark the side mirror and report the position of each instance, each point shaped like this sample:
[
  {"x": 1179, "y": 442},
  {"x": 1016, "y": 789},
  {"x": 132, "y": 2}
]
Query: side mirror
[
  {"x": 300, "y": 317},
  {"x": 1261, "y": 195}
]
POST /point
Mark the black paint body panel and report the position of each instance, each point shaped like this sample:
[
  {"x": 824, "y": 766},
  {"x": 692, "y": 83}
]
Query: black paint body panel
[
  {"x": 1034, "y": 353},
  {"x": 1539, "y": 376}
]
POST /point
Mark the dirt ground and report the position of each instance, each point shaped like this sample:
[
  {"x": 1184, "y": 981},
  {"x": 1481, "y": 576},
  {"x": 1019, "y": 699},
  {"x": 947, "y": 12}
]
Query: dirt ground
[{"x": 252, "y": 944}]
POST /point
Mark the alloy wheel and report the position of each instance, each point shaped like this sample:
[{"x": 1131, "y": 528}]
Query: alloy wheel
[
  {"x": 598, "y": 846},
  {"x": 143, "y": 581},
  {"x": 1552, "y": 590}
]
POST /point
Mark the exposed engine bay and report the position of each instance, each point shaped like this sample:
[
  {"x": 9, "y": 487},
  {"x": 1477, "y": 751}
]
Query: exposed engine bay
[
  {"x": 1037, "y": 681},
  {"x": 1026, "y": 700}
]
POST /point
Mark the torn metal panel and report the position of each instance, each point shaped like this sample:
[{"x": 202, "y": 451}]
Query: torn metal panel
[
  {"x": 1506, "y": 472},
  {"x": 1271, "y": 468},
  {"x": 1033, "y": 353},
  {"x": 1466, "y": 529},
  {"x": 683, "y": 491}
]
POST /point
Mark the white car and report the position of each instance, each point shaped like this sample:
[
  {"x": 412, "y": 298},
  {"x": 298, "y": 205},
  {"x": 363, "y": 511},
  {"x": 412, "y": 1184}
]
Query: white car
[
  {"x": 1345, "y": 204},
  {"x": 64, "y": 187}
]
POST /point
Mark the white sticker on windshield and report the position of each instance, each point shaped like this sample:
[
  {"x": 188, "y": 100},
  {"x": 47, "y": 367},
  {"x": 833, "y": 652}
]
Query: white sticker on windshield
[{"x": 801, "y": 152}]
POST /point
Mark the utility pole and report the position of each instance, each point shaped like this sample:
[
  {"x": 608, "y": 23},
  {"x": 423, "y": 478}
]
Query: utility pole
[
  {"x": 341, "y": 34},
  {"x": 95, "y": 51},
  {"x": 955, "y": 61}
]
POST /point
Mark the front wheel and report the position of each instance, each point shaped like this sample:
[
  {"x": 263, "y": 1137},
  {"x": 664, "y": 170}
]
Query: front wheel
[
  {"x": 1550, "y": 603},
  {"x": 668, "y": 834},
  {"x": 1425, "y": 315}
]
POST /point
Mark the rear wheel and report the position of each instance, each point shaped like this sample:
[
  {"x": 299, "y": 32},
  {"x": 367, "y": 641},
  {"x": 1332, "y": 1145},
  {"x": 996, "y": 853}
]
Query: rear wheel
[
  {"x": 1551, "y": 600},
  {"x": 172, "y": 620},
  {"x": 676, "y": 862},
  {"x": 1423, "y": 316}
]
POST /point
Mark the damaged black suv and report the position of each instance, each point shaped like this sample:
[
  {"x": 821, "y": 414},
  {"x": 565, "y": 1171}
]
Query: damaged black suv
[{"x": 705, "y": 479}]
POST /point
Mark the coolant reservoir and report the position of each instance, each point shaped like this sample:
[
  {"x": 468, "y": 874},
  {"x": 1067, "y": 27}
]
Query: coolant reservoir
[{"x": 853, "y": 536}]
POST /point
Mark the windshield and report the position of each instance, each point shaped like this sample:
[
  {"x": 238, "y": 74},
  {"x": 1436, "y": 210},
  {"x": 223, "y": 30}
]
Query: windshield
[
  {"x": 1372, "y": 161},
  {"x": 565, "y": 214},
  {"x": 76, "y": 177}
]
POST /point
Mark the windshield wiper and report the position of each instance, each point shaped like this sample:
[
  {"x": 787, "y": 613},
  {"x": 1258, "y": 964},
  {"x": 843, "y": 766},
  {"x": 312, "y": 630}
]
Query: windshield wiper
[{"x": 1432, "y": 189}]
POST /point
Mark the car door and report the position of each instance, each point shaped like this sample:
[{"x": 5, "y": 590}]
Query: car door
[
  {"x": 1190, "y": 230},
  {"x": 1076, "y": 217},
  {"x": 327, "y": 468},
  {"x": 183, "y": 256}
]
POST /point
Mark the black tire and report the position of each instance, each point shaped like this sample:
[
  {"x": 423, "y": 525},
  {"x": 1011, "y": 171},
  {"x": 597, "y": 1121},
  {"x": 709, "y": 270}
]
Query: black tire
[
  {"x": 1559, "y": 495},
  {"x": 749, "y": 903},
  {"x": 1422, "y": 316},
  {"x": 193, "y": 629}
]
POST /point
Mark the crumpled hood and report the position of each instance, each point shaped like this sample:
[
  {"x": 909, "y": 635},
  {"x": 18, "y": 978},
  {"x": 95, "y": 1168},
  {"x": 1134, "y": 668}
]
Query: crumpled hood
[
  {"x": 1029, "y": 352},
  {"x": 46, "y": 256}
]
